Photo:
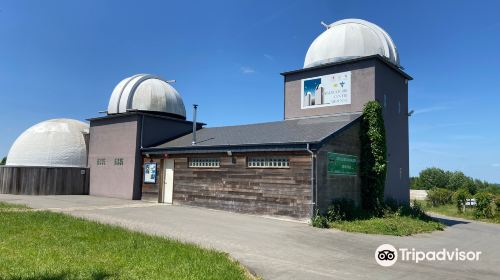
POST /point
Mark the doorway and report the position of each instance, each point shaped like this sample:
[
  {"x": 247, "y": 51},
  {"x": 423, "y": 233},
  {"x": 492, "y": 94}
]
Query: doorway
[{"x": 168, "y": 181}]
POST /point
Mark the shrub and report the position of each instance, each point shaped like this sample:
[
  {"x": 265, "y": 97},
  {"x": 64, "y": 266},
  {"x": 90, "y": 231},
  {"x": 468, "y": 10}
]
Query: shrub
[
  {"x": 432, "y": 178},
  {"x": 373, "y": 161},
  {"x": 319, "y": 220},
  {"x": 497, "y": 205},
  {"x": 460, "y": 197},
  {"x": 341, "y": 210},
  {"x": 414, "y": 210},
  {"x": 439, "y": 196},
  {"x": 483, "y": 205}
]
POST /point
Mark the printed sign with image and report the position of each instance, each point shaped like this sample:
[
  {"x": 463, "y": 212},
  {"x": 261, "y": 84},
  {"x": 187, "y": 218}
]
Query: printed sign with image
[
  {"x": 328, "y": 90},
  {"x": 150, "y": 173}
]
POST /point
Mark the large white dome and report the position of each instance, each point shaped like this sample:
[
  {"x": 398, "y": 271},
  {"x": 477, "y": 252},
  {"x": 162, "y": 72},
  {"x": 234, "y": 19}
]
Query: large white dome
[
  {"x": 146, "y": 93},
  {"x": 56, "y": 142},
  {"x": 348, "y": 39}
]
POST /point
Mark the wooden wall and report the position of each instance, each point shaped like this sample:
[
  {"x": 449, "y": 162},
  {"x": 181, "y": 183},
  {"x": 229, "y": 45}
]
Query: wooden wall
[
  {"x": 235, "y": 187},
  {"x": 44, "y": 180}
]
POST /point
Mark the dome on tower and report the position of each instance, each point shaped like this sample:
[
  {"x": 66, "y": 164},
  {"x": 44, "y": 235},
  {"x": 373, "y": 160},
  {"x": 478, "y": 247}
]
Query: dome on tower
[
  {"x": 348, "y": 39},
  {"x": 52, "y": 143},
  {"x": 146, "y": 93}
]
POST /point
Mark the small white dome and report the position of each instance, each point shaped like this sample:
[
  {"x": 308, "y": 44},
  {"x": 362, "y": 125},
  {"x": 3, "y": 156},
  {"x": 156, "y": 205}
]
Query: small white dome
[
  {"x": 348, "y": 39},
  {"x": 56, "y": 142},
  {"x": 146, "y": 93}
]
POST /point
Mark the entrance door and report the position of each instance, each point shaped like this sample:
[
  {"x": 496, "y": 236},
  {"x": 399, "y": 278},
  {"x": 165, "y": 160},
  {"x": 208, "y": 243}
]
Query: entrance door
[{"x": 168, "y": 182}]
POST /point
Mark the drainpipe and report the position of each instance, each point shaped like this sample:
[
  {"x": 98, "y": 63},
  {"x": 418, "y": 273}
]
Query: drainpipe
[
  {"x": 195, "y": 108},
  {"x": 314, "y": 186}
]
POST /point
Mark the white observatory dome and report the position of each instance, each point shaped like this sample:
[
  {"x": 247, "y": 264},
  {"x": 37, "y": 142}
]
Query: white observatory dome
[
  {"x": 56, "y": 142},
  {"x": 348, "y": 39},
  {"x": 146, "y": 93}
]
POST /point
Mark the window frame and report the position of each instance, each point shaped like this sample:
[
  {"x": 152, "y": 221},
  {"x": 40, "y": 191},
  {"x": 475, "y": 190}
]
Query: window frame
[
  {"x": 203, "y": 162},
  {"x": 268, "y": 162}
]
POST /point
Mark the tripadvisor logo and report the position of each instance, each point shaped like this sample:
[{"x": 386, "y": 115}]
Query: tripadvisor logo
[{"x": 387, "y": 255}]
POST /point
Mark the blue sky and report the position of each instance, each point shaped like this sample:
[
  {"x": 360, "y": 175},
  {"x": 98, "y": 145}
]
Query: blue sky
[{"x": 63, "y": 58}]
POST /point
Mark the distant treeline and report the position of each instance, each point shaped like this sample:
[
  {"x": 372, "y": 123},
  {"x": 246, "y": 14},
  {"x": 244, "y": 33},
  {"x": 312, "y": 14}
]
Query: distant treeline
[{"x": 452, "y": 180}]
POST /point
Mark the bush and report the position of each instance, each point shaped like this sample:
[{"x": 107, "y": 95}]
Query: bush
[
  {"x": 483, "y": 205},
  {"x": 497, "y": 205},
  {"x": 341, "y": 210},
  {"x": 460, "y": 197},
  {"x": 373, "y": 160},
  {"x": 415, "y": 210},
  {"x": 432, "y": 178},
  {"x": 439, "y": 196},
  {"x": 319, "y": 220}
]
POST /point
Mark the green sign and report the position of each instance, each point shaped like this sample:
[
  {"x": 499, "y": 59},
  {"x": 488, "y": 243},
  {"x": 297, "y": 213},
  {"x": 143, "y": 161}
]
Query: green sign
[{"x": 340, "y": 164}]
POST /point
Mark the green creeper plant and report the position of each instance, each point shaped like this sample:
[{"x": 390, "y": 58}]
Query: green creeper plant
[{"x": 373, "y": 161}]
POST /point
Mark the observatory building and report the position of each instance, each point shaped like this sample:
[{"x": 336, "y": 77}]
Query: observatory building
[
  {"x": 48, "y": 158},
  {"x": 144, "y": 148}
]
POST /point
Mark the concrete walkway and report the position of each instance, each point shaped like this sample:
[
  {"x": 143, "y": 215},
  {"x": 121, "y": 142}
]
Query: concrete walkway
[{"x": 278, "y": 249}]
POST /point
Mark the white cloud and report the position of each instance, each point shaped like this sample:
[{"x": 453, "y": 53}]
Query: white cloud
[
  {"x": 431, "y": 109},
  {"x": 269, "y": 57},
  {"x": 495, "y": 164},
  {"x": 247, "y": 70}
]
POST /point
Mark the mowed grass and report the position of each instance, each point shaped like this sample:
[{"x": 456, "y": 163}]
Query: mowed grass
[
  {"x": 45, "y": 245},
  {"x": 389, "y": 225},
  {"x": 452, "y": 211}
]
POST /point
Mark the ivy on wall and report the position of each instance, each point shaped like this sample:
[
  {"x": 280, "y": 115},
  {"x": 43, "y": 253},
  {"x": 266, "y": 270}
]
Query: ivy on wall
[{"x": 373, "y": 161}]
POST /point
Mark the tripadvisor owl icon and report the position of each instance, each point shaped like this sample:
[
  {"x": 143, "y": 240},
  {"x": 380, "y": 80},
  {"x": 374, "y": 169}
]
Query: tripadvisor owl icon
[{"x": 386, "y": 255}]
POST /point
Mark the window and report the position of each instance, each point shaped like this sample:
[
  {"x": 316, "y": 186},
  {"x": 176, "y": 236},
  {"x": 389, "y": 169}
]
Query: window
[
  {"x": 204, "y": 162},
  {"x": 268, "y": 162},
  {"x": 119, "y": 161},
  {"x": 101, "y": 161}
]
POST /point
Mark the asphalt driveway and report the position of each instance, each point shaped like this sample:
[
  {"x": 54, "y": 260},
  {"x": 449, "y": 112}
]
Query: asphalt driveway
[{"x": 281, "y": 249}]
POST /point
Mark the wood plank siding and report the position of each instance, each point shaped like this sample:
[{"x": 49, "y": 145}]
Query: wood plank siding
[
  {"x": 44, "y": 180},
  {"x": 235, "y": 187}
]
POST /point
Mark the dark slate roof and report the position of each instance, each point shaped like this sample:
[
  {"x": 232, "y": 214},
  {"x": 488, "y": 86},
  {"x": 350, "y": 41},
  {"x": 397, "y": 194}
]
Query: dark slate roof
[{"x": 296, "y": 131}]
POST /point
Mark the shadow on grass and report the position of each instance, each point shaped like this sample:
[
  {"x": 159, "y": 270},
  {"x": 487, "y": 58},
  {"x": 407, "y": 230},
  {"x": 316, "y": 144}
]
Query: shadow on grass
[{"x": 95, "y": 275}]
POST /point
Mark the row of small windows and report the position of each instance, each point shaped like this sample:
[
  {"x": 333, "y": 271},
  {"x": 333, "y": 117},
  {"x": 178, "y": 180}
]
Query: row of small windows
[
  {"x": 204, "y": 162},
  {"x": 255, "y": 162},
  {"x": 268, "y": 162},
  {"x": 102, "y": 161}
]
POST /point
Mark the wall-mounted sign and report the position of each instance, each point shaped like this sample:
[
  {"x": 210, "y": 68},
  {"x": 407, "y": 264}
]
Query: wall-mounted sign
[
  {"x": 328, "y": 90},
  {"x": 150, "y": 173},
  {"x": 340, "y": 164}
]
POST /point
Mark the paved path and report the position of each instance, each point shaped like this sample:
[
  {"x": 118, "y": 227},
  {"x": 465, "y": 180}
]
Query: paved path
[{"x": 279, "y": 249}]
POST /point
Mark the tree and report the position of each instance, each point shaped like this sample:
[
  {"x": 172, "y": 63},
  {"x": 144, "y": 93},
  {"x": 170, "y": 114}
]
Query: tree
[
  {"x": 458, "y": 180},
  {"x": 4, "y": 160},
  {"x": 460, "y": 198},
  {"x": 432, "y": 178},
  {"x": 373, "y": 161}
]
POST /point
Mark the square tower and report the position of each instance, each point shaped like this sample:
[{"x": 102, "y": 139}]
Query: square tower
[{"x": 344, "y": 88}]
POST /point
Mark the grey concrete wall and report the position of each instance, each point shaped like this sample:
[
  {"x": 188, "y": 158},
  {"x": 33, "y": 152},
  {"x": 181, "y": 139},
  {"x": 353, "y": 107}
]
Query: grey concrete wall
[
  {"x": 362, "y": 89},
  {"x": 371, "y": 79},
  {"x": 109, "y": 139},
  {"x": 394, "y": 86},
  {"x": 157, "y": 130},
  {"x": 332, "y": 187},
  {"x": 123, "y": 136}
]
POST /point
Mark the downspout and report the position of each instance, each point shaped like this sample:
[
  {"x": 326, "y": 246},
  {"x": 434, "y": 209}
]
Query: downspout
[{"x": 314, "y": 186}]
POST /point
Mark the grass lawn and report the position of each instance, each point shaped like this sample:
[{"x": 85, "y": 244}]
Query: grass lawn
[
  {"x": 45, "y": 245},
  {"x": 389, "y": 225},
  {"x": 452, "y": 211}
]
